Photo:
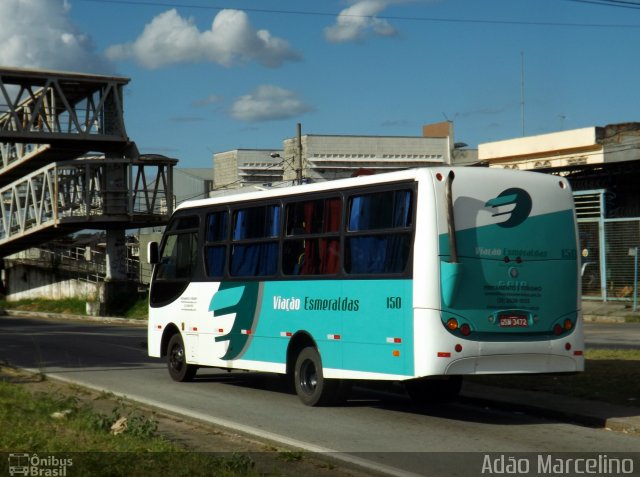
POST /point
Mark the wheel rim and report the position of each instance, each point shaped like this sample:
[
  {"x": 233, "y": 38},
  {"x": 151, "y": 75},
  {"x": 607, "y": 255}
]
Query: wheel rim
[
  {"x": 176, "y": 357},
  {"x": 308, "y": 377}
]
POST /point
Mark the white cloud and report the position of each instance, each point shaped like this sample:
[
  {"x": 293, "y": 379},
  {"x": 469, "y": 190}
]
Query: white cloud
[
  {"x": 268, "y": 102},
  {"x": 40, "y": 34},
  {"x": 358, "y": 21},
  {"x": 201, "y": 102},
  {"x": 170, "y": 39}
]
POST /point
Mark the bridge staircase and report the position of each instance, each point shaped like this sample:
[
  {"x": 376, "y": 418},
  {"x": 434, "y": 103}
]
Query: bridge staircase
[{"x": 66, "y": 162}]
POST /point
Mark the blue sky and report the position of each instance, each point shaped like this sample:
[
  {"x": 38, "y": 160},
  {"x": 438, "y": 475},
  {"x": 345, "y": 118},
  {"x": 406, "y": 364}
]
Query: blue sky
[{"x": 209, "y": 76}]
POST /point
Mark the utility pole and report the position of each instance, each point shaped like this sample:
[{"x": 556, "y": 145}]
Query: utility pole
[
  {"x": 522, "y": 89},
  {"x": 299, "y": 154}
]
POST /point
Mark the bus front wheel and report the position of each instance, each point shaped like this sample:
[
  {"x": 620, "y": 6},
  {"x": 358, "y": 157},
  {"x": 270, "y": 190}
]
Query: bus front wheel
[
  {"x": 311, "y": 386},
  {"x": 179, "y": 369}
]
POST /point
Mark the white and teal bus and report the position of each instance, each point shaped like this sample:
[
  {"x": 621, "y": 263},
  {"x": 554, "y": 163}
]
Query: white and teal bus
[{"x": 420, "y": 276}]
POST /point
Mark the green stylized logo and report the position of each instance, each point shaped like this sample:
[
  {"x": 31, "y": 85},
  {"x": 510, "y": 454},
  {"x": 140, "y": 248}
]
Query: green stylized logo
[
  {"x": 521, "y": 200},
  {"x": 243, "y": 299}
]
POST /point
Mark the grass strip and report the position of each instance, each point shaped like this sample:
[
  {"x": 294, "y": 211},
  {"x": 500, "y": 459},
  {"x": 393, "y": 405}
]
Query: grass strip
[
  {"x": 74, "y": 306},
  {"x": 47, "y": 423},
  {"x": 611, "y": 375}
]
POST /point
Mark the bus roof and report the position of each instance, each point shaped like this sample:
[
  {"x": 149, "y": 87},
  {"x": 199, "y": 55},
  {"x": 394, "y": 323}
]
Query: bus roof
[{"x": 338, "y": 184}]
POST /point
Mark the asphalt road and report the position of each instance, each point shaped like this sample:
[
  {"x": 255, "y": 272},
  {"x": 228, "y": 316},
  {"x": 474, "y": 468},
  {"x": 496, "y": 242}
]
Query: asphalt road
[
  {"x": 613, "y": 335},
  {"x": 377, "y": 428}
]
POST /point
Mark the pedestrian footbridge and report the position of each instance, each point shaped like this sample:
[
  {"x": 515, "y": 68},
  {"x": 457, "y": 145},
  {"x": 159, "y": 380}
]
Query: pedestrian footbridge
[{"x": 66, "y": 162}]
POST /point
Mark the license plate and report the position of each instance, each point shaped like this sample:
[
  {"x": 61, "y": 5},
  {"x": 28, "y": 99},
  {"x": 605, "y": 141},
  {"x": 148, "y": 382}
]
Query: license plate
[{"x": 513, "y": 321}]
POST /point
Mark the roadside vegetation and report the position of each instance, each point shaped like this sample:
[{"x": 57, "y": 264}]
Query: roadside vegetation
[
  {"x": 75, "y": 306},
  {"x": 121, "y": 442},
  {"x": 104, "y": 435}
]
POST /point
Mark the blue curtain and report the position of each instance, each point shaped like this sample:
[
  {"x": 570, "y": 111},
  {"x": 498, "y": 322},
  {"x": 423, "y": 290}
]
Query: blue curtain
[
  {"x": 258, "y": 259},
  {"x": 257, "y": 222},
  {"x": 385, "y": 253},
  {"x": 380, "y": 252},
  {"x": 215, "y": 261},
  {"x": 217, "y": 226}
]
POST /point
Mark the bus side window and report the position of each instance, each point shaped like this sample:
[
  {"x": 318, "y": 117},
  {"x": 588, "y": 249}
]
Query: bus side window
[
  {"x": 386, "y": 216},
  {"x": 215, "y": 248},
  {"x": 255, "y": 235},
  {"x": 178, "y": 257},
  {"x": 318, "y": 253}
]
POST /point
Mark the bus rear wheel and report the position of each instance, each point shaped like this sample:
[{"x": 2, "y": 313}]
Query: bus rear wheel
[
  {"x": 434, "y": 390},
  {"x": 310, "y": 384},
  {"x": 179, "y": 369}
]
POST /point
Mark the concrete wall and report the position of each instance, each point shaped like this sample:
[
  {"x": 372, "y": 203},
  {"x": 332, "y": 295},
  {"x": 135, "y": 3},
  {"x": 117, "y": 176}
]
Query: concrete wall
[
  {"x": 225, "y": 169},
  {"x": 234, "y": 169},
  {"x": 111, "y": 298},
  {"x": 25, "y": 281}
]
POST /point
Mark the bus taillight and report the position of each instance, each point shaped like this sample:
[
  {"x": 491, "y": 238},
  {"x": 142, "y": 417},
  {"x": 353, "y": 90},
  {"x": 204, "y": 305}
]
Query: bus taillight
[
  {"x": 452, "y": 324},
  {"x": 557, "y": 330},
  {"x": 465, "y": 330},
  {"x": 568, "y": 325}
]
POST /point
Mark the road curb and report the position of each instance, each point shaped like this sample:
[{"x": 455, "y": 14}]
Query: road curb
[{"x": 603, "y": 319}]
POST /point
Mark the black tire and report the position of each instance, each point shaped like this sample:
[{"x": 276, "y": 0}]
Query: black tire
[
  {"x": 179, "y": 369},
  {"x": 434, "y": 390},
  {"x": 311, "y": 386}
]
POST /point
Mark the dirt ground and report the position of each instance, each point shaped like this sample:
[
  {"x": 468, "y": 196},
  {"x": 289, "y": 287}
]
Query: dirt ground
[{"x": 270, "y": 458}]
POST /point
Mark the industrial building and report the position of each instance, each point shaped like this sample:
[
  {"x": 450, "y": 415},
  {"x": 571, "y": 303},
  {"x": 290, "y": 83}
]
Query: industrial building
[{"x": 318, "y": 157}]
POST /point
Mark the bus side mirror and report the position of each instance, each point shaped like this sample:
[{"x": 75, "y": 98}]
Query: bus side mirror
[{"x": 153, "y": 256}]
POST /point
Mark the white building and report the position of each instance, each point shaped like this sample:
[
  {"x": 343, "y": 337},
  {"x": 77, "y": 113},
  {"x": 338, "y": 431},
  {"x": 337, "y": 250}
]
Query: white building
[
  {"x": 314, "y": 157},
  {"x": 565, "y": 150},
  {"x": 246, "y": 167}
]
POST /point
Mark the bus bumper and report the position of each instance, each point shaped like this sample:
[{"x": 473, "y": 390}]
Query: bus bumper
[{"x": 446, "y": 354}]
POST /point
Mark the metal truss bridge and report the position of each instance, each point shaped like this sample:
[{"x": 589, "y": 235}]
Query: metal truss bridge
[{"x": 49, "y": 183}]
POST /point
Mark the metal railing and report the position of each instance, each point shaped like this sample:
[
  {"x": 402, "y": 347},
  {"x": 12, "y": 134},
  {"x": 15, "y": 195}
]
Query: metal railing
[
  {"x": 88, "y": 193},
  {"x": 38, "y": 109},
  {"x": 607, "y": 248},
  {"x": 83, "y": 263}
]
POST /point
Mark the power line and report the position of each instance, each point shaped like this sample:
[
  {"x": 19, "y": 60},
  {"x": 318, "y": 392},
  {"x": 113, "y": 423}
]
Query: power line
[
  {"x": 611, "y": 3},
  {"x": 156, "y": 3}
]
